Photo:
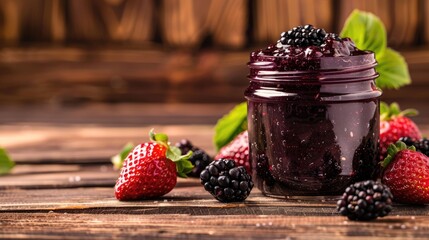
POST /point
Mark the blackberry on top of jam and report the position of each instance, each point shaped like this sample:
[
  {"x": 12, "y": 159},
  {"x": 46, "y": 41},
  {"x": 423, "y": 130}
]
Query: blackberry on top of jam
[
  {"x": 301, "y": 48},
  {"x": 312, "y": 113}
]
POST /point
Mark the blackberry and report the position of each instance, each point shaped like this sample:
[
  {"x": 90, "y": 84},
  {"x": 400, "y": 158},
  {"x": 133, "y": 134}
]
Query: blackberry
[
  {"x": 332, "y": 36},
  {"x": 407, "y": 140},
  {"x": 303, "y": 36},
  {"x": 421, "y": 145},
  {"x": 226, "y": 182},
  {"x": 365, "y": 201},
  {"x": 200, "y": 159}
]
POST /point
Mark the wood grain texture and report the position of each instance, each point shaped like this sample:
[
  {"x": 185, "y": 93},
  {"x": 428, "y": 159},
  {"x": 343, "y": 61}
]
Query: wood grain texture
[
  {"x": 88, "y": 144},
  {"x": 181, "y": 25},
  {"x": 274, "y": 17},
  {"x": 54, "y": 176},
  {"x": 189, "y": 197},
  {"x": 191, "y": 24},
  {"x": 72, "y": 197},
  {"x": 67, "y": 76},
  {"x": 405, "y": 26},
  {"x": 226, "y": 22},
  {"x": 39, "y": 20},
  {"x": 188, "y": 212},
  {"x": 129, "y": 21},
  {"x": 401, "y": 18},
  {"x": 101, "y": 226},
  {"x": 381, "y": 8},
  {"x": 92, "y": 134},
  {"x": 74, "y": 75}
]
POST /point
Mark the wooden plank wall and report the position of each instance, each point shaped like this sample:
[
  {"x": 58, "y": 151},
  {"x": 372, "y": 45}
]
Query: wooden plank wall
[
  {"x": 188, "y": 23},
  {"x": 68, "y": 51}
]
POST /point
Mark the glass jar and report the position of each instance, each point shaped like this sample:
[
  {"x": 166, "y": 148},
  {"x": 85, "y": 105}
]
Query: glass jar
[{"x": 313, "y": 132}]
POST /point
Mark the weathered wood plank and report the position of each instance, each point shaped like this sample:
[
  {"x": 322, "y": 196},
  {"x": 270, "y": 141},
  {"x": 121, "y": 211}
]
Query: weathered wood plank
[
  {"x": 188, "y": 197},
  {"x": 273, "y": 17},
  {"x": 53, "y": 225},
  {"x": 53, "y": 176},
  {"x": 93, "y": 133},
  {"x": 114, "y": 114},
  {"x": 71, "y": 201},
  {"x": 62, "y": 76},
  {"x": 182, "y": 200},
  {"x": 88, "y": 143},
  {"x": 188, "y": 212}
]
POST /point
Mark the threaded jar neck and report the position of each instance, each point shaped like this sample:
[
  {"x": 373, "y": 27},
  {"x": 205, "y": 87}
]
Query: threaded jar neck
[{"x": 323, "y": 70}]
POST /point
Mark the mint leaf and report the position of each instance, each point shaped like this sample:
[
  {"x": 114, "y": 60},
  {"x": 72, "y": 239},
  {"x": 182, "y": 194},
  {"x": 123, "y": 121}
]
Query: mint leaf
[
  {"x": 367, "y": 31},
  {"x": 393, "y": 70},
  {"x": 230, "y": 125},
  {"x": 118, "y": 159},
  {"x": 6, "y": 163}
]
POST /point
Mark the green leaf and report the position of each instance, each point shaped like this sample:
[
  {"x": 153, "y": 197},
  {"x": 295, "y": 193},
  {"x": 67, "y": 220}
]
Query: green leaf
[
  {"x": 394, "y": 108},
  {"x": 230, "y": 125},
  {"x": 187, "y": 166},
  {"x": 367, "y": 31},
  {"x": 160, "y": 138},
  {"x": 6, "y": 163},
  {"x": 387, "y": 112},
  {"x": 393, "y": 149},
  {"x": 393, "y": 70},
  {"x": 118, "y": 159},
  {"x": 183, "y": 165},
  {"x": 384, "y": 108},
  {"x": 173, "y": 153}
]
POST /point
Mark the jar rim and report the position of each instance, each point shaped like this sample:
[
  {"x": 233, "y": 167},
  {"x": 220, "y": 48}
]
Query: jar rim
[{"x": 328, "y": 69}]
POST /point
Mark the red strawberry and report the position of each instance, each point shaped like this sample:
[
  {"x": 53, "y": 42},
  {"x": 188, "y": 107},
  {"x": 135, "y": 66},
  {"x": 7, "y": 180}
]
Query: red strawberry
[
  {"x": 237, "y": 150},
  {"x": 150, "y": 169},
  {"x": 406, "y": 173},
  {"x": 394, "y": 125}
]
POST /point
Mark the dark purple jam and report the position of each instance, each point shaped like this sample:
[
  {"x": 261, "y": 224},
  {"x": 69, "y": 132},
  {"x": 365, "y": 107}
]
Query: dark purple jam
[{"x": 313, "y": 117}]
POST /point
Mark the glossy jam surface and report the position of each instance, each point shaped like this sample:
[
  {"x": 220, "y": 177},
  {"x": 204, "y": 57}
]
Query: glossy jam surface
[
  {"x": 292, "y": 58},
  {"x": 313, "y": 118}
]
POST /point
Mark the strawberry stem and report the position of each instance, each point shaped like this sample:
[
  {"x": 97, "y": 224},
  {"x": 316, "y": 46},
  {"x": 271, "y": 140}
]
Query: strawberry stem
[
  {"x": 388, "y": 112},
  {"x": 393, "y": 150},
  {"x": 183, "y": 165},
  {"x": 160, "y": 138},
  {"x": 409, "y": 112}
]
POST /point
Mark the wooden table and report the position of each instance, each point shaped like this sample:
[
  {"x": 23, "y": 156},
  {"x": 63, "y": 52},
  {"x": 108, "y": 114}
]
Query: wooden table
[{"x": 62, "y": 186}]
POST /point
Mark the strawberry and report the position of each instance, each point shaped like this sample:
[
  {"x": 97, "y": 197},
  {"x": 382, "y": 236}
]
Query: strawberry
[
  {"x": 237, "y": 150},
  {"x": 395, "y": 124},
  {"x": 406, "y": 173},
  {"x": 151, "y": 169}
]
